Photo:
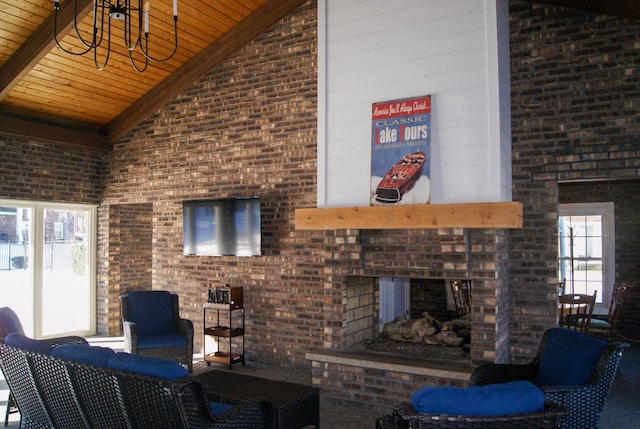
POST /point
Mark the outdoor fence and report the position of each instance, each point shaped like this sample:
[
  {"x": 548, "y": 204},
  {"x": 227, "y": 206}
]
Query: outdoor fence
[
  {"x": 56, "y": 255},
  {"x": 13, "y": 256}
]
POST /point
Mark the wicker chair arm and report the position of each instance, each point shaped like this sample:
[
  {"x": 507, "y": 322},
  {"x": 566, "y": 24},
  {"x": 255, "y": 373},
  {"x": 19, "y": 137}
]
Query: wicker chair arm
[
  {"x": 566, "y": 389},
  {"x": 584, "y": 403},
  {"x": 405, "y": 417},
  {"x": 130, "y": 332},
  {"x": 501, "y": 373},
  {"x": 185, "y": 327},
  {"x": 71, "y": 339}
]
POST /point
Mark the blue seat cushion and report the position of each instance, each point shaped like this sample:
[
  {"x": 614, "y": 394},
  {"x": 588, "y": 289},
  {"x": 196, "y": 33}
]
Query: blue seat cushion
[
  {"x": 516, "y": 397},
  {"x": 84, "y": 353},
  {"x": 599, "y": 324},
  {"x": 218, "y": 408},
  {"x": 152, "y": 311},
  {"x": 147, "y": 366},
  {"x": 569, "y": 358},
  {"x": 161, "y": 341},
  {"x": 20, "y": 341}
]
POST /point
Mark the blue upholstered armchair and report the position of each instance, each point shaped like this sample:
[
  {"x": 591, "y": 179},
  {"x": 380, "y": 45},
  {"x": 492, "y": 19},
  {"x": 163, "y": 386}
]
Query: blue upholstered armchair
[
  {"x": 573, "y": 370},
  {"x": 152, "y": 327}
]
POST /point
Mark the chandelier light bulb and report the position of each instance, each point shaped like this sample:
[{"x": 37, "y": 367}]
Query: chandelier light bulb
[{"x": 146, "y": 17}]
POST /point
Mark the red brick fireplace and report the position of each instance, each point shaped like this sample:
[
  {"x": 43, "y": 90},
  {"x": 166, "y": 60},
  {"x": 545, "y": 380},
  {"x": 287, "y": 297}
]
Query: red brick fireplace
[{"x": 480, "y": 255}]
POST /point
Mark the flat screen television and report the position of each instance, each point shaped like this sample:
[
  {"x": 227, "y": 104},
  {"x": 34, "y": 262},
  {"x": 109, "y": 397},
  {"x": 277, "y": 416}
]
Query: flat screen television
[{"x": 229, "y": 226}]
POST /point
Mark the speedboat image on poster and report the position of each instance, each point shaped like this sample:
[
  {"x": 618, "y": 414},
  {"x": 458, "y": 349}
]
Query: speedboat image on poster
[
  {"x": 400, "y": 151},
  {"x": 401, "y": 178}
]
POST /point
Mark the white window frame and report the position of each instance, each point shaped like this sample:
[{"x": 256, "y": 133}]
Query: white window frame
[
  {"x": 607, "y": 212},
  {"x": 36, "y": 256}
]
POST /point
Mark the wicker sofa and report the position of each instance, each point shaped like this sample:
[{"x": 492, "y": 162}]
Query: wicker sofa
[{"x": 54, "y": 392}]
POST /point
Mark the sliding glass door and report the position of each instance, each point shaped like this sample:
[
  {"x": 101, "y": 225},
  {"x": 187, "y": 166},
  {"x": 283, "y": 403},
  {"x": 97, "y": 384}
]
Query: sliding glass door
[
  {"x": 16, "y": 262},
  {"x": 51, "y": 287},
  {"x": 67, "y": 291}
]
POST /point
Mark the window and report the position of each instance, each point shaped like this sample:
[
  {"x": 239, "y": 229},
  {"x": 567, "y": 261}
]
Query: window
[{"x": 586, "y": 250}]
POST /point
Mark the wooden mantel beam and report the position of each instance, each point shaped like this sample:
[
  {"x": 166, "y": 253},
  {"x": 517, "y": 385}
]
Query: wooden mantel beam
[{"x": 464, "y": 215}]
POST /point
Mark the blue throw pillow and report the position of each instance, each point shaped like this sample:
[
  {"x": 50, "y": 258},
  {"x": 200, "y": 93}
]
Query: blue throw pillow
[
  {"x": 218, "y": 408},
  {"x": 569, "y": 358},
  {"x": 516, "y": 397},
  {"x": 23, "y": 342},
  {"x": 152, "y": 311},
  {"x": 148, "y": 366},
  {"x": 83, "y": 353}
]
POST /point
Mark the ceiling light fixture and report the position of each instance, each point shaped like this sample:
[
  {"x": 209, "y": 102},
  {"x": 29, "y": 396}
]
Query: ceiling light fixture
[{"x": 135, "y": 17}]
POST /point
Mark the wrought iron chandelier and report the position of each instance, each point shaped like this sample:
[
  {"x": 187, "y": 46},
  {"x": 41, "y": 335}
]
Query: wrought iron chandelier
[{"x": 135, "y": 17}]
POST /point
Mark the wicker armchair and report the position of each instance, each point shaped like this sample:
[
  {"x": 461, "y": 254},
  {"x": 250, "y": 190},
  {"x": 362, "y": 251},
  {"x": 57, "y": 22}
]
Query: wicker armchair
[
  {"x": 584, "y": 402},
  {"x": 152, "y": 327}
]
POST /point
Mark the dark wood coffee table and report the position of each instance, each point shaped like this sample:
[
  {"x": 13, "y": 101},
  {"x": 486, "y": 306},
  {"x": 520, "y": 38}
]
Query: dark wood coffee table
[{"x": 295, "y": 405}]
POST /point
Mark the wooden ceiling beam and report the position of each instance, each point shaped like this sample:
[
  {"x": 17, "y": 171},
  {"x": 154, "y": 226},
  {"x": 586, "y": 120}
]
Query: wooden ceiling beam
[
  {"x": 39, "y": 44},
  {"x": 50, "y": 133},
  {"x": 240, "y": 35},
  {"x": 20, "y": 64},
  {"x": 622, "y": 8}
]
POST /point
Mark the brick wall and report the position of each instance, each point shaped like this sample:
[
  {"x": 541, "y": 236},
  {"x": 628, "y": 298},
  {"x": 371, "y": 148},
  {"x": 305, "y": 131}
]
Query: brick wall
[
  {"x": 430, "y": 295},
  {"x": 246, "y": 128},
  {"x": 362, "y": 309},
  {"x": 378, "y": 388},
  {"x": 129, "y": 256},
  {"x": 41, "y": 172},
  {"x": 575, "y": 80}
]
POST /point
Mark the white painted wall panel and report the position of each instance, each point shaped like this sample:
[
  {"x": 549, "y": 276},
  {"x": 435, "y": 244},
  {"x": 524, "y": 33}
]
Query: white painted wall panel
[{"x": 376, "y": 50}]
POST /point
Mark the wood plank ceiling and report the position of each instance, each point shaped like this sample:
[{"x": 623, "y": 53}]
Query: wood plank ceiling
[{"x": 49, "y": 96}]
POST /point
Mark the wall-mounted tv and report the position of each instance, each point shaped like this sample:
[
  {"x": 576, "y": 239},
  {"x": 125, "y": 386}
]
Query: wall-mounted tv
[{"x": 217, "y": 227}]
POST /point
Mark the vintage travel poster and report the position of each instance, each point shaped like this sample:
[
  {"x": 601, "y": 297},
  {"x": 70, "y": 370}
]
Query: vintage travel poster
[{"x": 400, "y": 151}]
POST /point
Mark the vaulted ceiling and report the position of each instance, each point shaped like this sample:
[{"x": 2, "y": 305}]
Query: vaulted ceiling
[{"x": 49, "y": 96}]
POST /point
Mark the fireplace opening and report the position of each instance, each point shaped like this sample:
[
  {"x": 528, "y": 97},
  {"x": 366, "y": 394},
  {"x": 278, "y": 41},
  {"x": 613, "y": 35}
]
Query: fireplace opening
[{"x": 423, "y": 319}]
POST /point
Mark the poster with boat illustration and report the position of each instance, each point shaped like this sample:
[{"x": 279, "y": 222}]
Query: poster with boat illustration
[{"x": 400, "y": 151}]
